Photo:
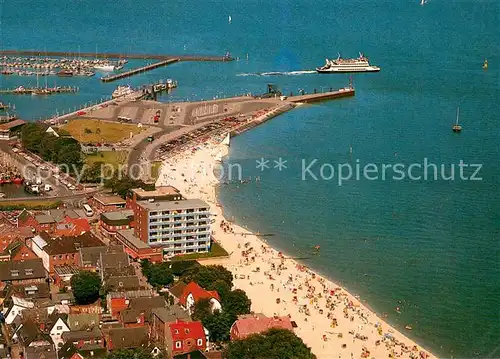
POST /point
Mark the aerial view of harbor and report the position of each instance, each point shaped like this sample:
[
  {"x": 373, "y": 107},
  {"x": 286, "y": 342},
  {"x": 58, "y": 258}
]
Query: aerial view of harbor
[{"x": 249, "y": 180}]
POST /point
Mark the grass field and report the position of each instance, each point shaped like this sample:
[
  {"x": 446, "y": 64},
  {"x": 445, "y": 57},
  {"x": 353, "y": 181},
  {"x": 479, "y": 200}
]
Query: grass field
[
  {"x": 216, "y": 250},
  {"x": 113, "y": 158},
  {"x": 97, "y": 131}
]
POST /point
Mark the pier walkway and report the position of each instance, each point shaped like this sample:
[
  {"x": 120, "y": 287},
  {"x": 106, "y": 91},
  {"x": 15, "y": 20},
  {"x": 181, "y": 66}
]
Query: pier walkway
[
  {"x": 323, "y": 96},
  {"x": 138, "y": 70}
]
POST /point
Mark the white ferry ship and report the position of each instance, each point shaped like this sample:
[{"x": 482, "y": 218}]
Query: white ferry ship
[
  {"x": 122, "y": 91},
  {"x": 339, "y": 65}
]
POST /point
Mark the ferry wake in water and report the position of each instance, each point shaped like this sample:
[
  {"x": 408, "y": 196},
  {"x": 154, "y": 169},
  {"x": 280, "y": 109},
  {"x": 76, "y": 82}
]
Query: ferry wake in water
[{"x": 278, "y": 73}]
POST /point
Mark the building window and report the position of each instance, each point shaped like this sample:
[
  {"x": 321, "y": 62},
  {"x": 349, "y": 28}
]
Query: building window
[
  {"x": 200, "y": 342},
  {"x": 59, "y": 327},
  {"x": 14, "y": 273},
  {"x": 178, "y": 344}
]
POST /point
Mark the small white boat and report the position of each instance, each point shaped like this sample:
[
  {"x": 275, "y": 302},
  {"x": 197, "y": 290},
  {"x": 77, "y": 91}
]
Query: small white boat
[
  {"x": 2, "y": 195},
  {"x": 230, "y": 19},
  {"x": 106, "y": 68}
]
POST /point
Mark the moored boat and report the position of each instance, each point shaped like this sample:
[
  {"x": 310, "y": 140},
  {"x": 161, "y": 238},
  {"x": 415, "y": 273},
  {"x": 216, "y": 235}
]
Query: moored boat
[
  {"x": 122, "y": 91},
  {"x": 341, "y": 65},
  {"x": 18, "y": 180}
]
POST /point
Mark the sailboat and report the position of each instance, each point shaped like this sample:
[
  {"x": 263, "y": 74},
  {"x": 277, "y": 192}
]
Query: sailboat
[
  {"x": 230, "y": 19},
  {"x": 485, "y": 65},
  {"x": 456, "y": 127},
  {"x": 423, "y": 2},
  {"x": 227, "y": 140}
]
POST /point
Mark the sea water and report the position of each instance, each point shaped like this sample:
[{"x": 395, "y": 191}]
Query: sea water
[{"x": 430, "y": 247}]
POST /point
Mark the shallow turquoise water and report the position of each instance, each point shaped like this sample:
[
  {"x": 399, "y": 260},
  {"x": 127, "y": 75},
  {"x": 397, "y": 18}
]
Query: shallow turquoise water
[{"x": 434, "y": 245}]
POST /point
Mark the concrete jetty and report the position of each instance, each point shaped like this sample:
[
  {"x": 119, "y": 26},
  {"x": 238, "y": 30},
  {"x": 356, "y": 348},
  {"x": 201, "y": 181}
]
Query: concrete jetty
[
  {"x": 109, "y": 55},
  {"x": 323, "y": 96},
  {"x": 138, "y": 70}
]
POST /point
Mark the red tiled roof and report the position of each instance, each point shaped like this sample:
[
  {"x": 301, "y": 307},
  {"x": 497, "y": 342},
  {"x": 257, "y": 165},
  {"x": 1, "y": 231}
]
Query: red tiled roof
[
  {"x": 72, "y": 226},
  {"x": 198, "y": 293},
  {"x": 258, "y": 323},
  {"x": 181, "y": 330}
]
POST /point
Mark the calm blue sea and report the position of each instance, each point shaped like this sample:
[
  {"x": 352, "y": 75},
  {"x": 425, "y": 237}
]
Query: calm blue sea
[{"x": 429, "y": 247}]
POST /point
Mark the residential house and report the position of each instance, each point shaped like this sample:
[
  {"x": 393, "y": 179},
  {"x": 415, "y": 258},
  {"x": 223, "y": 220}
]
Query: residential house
[
  {"x": 123, "y": 283},
  {"x": 26, "y": 272},
  {"x": 93, "y": 308},
  {"x": 70, "y": 351},
  {"x": 28, "y": 291},
  {"x": 184, "y": 337},
  {"x": 63, "y": 250},
  {"x": 16, "y": 306},
  {"x": 131, "y": 318},
  {"x": 111, "y": 222},
  {"x": 30, "y": 336},
  {"x": 79, "y": 322},
  {"x": 63, "y": 298},
  {"x": 17, "y": 250},
  {"x": 62, "y": 275},
  {"x": 138, "y": 249},
  {"x": 57, "y": 330},
  {"x": 161, "y": 317},
  {"x": 46, "y": 351},
  {"x": 90, "y": 257},
  {"x": 85, "y": 339},
  {"x": 249, "y": 324},
  {"x": 118, "y": 301},
  {"x": 107, "y": 203},
  {"x": 193, "y": 293},
  {"x": 125, "y": 338}
]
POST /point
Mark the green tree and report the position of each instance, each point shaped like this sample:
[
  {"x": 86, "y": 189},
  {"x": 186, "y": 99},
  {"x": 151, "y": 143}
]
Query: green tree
[
  {"x": 158, "y": 274},
  {"x": 202, "y": 310},
  {"x": 272, "y": 344},
  {"x": 219, "y": 326},
  {"x": 138, "y": 353},
  {"x": 236, "y": 302},
  {"x": 208, "y": 276},
  {"x": 92, "y": 173},
  {"x": 31, "y": 136},
  {"x": 86, "y": 287}
]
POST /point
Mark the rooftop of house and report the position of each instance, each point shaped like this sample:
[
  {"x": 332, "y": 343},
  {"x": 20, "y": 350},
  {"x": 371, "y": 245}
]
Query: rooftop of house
[
  {"x": 114, "y": 260},
  {"x": 123, "y": 283},
  {"x": 145, "y": 303},
  {"x": 173, "y": 205},
  {"x": 41, "y": 352},
  {"x": 181, "y": 330},
  {"x": 171, "y": 314},
  {"x": 82, "y": 334},
  {"x": 122, "y": 338},
  {"x": 177, "y": 289},
  {"x": 21, "y": 270},
  {"x": 124, "y": 216},
  {"x": 82, "y": 321},
  {"x": 198, "y": 293},
  {"x": 157, "y": 192},
  {"x": 131, "y": 294},
  {"x": 72, "y": 226},
  {"x": 131, "y": 315},
  {"x": 60, "y": 214},
  {"x": 10, "y": 125},
  {"x": 130, "y": 237},
  {"x": 34, "y": 291},
  {"x": 71, "y": 244},
  {"x": 109, "y": 199},
  {"x": 92, "y": 255},
  {"x": 45, "y": 219},
  {"x": 66, "y": 270},
  {"x": 257, "y": 323},
  {"x": 60, "y": 297}
]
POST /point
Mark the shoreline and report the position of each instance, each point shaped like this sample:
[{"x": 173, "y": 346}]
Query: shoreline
[{"x": 330, "y": 320}]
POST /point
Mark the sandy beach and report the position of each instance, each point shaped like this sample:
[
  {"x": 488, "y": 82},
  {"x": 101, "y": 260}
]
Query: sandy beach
[{"x": 334, "y": 323}]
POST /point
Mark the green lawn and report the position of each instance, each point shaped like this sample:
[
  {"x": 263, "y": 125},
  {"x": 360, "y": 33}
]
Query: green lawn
[
  {"x": 113, "y": 158},
  {"x": 98, "y": 131},
  {"x": 216, "y": 250},
  {"x": 155, "y": 169}
]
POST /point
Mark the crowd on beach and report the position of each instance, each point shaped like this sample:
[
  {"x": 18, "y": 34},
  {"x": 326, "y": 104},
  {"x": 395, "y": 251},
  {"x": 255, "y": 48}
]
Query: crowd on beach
[{"x": 329, "y": 319}]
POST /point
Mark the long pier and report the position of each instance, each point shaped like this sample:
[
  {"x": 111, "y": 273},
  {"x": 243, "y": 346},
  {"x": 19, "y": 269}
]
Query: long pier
[
  {"x": 323, "y": 96},
  {"x": 138, "y": 70},
  {"x": 111, "y": 55}
]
